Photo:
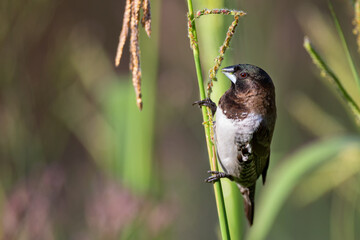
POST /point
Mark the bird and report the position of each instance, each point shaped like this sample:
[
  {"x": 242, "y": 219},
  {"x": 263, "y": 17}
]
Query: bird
[{"x": 243, "y": 128}]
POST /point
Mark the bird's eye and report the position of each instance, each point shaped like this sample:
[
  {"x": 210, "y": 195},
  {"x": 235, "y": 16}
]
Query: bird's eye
[{"x": 243, "y": 75}]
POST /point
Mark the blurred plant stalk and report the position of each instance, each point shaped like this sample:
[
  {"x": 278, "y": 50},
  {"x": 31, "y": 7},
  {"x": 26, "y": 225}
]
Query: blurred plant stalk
[
  {"x": 345, "y": 46},
  {"x": 328, "y": 73},
  {"x": 319, "y": 122},
  {"x": 138, "y": 163},
  {"x": 318, "y": 184},
  {"x": 291, "y": 173},
  {"x": 120, "y": 138}
]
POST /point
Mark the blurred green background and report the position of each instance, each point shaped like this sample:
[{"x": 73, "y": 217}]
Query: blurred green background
[{"x": 79, "y": 161}]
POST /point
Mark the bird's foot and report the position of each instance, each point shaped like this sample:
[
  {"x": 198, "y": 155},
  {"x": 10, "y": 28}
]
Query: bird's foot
[
  {"x": 208, "y": 103},
  {"x": 217, "y": 175}
]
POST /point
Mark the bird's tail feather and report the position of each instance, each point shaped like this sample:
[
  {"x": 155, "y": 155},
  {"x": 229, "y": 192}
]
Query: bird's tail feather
[{"x": 249, "y": 201}]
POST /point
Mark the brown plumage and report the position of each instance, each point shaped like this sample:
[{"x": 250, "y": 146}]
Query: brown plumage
[{"x": 244, "y": 126}]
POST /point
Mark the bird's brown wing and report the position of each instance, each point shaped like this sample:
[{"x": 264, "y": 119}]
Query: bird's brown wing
[
  {"x": 253, "y": 159},
  {"x": 261, "y": 149}
]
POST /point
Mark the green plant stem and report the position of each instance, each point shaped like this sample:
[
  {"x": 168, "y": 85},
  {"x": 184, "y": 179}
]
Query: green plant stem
[
  {"x": 345, "y": 46},
  {"x": 224, "y": 227},
  {"x": 326, "y": 71},
  {"x": 216, "y": 27}
]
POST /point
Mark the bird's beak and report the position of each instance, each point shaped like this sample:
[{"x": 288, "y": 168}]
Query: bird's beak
[{"x": 229, "y": 72}]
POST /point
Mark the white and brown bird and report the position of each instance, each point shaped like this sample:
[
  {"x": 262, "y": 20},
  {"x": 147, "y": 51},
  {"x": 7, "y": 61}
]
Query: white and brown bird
[{"x": 244, "y": 126}]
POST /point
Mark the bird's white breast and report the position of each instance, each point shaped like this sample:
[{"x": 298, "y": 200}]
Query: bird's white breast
[{"x": 226, "y": 131}]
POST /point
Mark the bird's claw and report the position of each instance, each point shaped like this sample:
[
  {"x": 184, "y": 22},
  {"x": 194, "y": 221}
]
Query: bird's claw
[
  {"x": 212, "y": 179},
  {"x": 216, "y": 177},
  {"x": 208, "y": 103}
]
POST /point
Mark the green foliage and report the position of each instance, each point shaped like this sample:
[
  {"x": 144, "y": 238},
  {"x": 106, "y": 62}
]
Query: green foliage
[
  {"x": 345, "y": 46},
  {"x": 297, "y": 167},
  {"x": 327, "y": 72},
  {"x": 288, "y": 176}
]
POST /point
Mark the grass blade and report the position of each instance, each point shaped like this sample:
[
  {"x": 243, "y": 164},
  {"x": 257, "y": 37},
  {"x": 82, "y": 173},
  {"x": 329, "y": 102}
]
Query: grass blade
[
  {"x": 345, "y": 46},
  {"x": 289, "y": 175},
  {"x": 327, "y": 72}
]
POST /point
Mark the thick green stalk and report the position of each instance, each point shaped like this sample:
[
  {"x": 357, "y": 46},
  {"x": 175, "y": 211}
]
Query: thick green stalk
[
  {"x": 224, "y": 228},
  {"x": 138, "y": 169},
  {"x": 345, "y": 46}
]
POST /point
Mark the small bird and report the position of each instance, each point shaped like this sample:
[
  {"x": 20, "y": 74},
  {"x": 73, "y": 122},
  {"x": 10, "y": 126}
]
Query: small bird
[{"x": 244, "y": 126}]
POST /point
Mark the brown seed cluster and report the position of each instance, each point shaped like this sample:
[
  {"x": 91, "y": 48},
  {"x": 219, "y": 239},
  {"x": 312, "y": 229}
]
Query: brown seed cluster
[
  {"x": 230, "y": 33},
  {"x": 146, "y": 19},
  {"x": 225, "y": 45},
  {"x": 222, "y": 11},
  {"x": 191, "y": 32},
  {"x": 131, "y": 20}
]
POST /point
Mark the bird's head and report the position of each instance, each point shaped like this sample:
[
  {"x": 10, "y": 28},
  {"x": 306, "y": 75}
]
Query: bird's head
[{"x": 247, "y": 75}]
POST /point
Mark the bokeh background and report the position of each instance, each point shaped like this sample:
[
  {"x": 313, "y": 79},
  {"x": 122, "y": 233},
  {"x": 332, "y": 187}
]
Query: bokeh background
[{"x": 79, "y": 161}]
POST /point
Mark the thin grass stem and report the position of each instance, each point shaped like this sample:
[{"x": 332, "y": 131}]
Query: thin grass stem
[
  {"x": 207, "y": 118},
  {"x": 216, "y": 28},
  {"x": 329, "y": 74},
  {"x": 345, "y": 46}
]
